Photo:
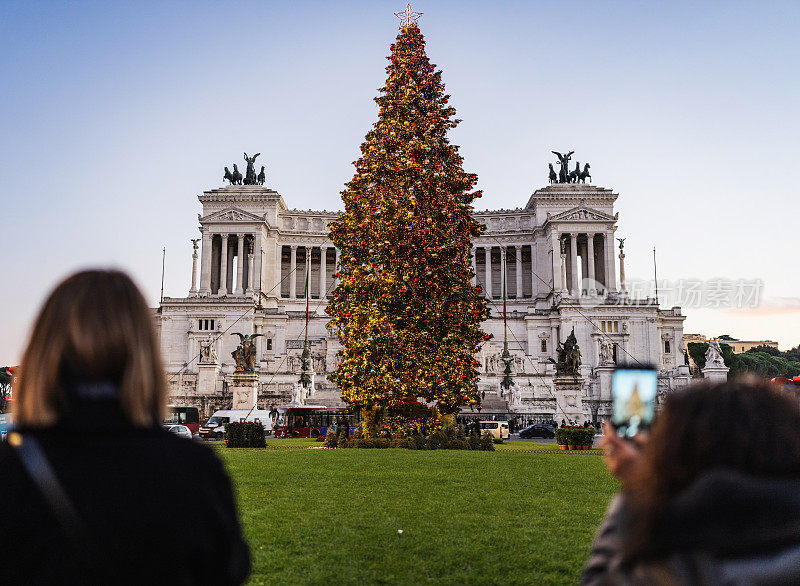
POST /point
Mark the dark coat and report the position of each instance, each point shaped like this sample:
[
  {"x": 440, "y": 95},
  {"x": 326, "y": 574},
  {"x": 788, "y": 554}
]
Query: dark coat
[
  {"x": 160, "y": 508},
  {"x": 726, "y": 528}
]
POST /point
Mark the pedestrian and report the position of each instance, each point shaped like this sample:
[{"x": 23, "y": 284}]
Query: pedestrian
[
  {"x": 712, "y": 496},
  {"x": 94, "y": 490}
]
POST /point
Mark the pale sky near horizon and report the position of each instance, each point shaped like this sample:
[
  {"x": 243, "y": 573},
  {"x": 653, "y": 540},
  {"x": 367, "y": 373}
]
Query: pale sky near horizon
[{"x": 115, "y": 116}]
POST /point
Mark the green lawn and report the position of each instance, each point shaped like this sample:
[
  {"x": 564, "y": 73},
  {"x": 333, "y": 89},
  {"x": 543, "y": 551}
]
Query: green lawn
[{"x": 332, "y": 516}]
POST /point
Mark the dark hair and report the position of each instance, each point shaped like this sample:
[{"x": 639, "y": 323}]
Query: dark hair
[
  {"x": 747, "y": 425},
  {"x": 95, "y": 326}
]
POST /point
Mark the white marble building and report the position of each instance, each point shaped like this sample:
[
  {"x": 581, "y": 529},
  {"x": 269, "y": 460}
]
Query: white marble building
[{"x": 252, "y": 275}]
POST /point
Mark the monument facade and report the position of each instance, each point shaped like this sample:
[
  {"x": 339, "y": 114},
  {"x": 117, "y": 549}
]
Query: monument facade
[{"x": 556, "y": 257}]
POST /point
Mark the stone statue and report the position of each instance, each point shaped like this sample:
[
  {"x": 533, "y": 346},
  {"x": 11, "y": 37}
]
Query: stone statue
[
  {"x": 606, "y": 351},
  {"x": 208, "y": 353},
  {"x": 228, "y": 176},
  {"x": 250, "y": 174},
  {"x": 245, "y": 353},
  {"x": 563, "y": 161},
  {"x": 714, "y": 355},
  {"x": 262, "y": 177},
  {"x": 194, "y": 243},
  {"x": 569, "y": 356},
  {"x": 584, "y": 174},
  {"x": 573, "y": 176},
  {"x": 237, "y": 175},
  {"x": 553, "y": 177},
  {"x": 621, "y": 243}
]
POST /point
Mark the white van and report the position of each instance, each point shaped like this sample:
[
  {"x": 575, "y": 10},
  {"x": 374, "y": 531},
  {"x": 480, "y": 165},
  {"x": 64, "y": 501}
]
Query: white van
[
  {"x": 215, "y": 426},
  {"x": 498, "y": 429}
]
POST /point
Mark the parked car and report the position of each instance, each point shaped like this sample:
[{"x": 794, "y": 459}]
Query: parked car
[
  {"x": 537, "y": 430},
  {"x": 498, "y": 429},
  {"x": 179, "y": 430}
]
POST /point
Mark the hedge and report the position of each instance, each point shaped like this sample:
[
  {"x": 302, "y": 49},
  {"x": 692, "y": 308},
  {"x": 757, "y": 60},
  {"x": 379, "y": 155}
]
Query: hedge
[
  {"x": 575, "y": 436},
  {"x": 242, "y": 434}
]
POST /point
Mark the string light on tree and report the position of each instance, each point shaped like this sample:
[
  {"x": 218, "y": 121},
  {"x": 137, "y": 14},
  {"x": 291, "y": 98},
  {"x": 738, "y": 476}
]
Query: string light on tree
[{"x": 408, "y": 17}]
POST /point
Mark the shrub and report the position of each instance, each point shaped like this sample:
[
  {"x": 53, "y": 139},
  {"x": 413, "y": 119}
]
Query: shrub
[
  {"x": 370, "y": 442},
  {"x": 243, "y": 434},
  {"x": 330, "y": 438},
  {"x": 497, "y": 440},
  {"x": 561, "y": 436},
  {"x": 487, "y": 443}
]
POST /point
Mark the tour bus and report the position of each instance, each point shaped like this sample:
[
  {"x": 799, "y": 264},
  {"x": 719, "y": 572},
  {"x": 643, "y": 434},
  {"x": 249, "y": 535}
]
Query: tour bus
[
  {"x": 308, "y": 421},
  {"x": 188, "y": 416},
  {"x": 215, "y": 426}
]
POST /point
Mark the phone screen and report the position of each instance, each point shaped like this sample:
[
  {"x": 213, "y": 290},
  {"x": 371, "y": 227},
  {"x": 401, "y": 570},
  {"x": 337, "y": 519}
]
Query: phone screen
[{"x": 633, "y": 394}]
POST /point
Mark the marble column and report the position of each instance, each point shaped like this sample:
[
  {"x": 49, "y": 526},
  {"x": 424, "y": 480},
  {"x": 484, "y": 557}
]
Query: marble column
[
  {"x": 611, "y": 273},
  {"x": 259, "y": 264},
  {"x": 518, "y": 257},
  {"x": 250, "y": 270},
  {"x": 503, "y": 273},
  {"x": 557, "y": 261},
  {"x": 205, "y": 270},
  {"x": 193, "y": 290},
  {"x": 323, "y": 269},
  {"x": 223, "y": 267},
  {"x": 239, "y": 290},
  {"x": 293, "y": 272},
  {"x": 573, "y": 255},
  {"x": 590, "y": 261},
  {"x": 534, "y": 268},
  {"x": 621, "y": 270},
  {"x": 487, "y": 253}
]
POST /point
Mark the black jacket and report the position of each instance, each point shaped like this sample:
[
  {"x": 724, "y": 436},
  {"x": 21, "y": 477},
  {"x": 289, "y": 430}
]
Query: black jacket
[
  {"x": 726, "y": 528},
  {"x": 160, "y": 508}
]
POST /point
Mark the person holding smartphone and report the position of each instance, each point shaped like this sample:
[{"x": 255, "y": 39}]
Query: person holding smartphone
[{"x": 710, "y": 492}]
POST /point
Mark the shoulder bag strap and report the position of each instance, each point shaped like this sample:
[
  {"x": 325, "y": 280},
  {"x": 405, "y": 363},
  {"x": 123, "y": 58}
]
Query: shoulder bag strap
[{"x": 41, "y": 472}]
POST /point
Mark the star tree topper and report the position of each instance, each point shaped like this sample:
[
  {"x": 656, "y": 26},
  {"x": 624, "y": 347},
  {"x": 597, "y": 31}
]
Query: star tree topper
[{"x": 408, "y": 16}]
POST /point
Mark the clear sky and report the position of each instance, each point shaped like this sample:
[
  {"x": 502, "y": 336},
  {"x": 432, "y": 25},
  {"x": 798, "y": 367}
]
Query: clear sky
[{"x": 115, "y": 116}]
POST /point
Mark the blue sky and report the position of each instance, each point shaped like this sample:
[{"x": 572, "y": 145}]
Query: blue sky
[{"x": 115, "y": 116}]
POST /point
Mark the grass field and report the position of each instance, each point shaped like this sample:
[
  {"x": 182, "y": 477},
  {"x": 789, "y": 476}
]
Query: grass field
[{"x": 514, "y": 516}]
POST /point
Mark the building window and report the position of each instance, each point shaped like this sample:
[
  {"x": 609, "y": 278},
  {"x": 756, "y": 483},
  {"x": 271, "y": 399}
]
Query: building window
[
  {"x": 269, "y": 343},
  {"x": 666, "y": 347},
  {"x": 206, "y": 324},
  {"x": 616, "y": 327},
  {"x": 544, "y": 345}
]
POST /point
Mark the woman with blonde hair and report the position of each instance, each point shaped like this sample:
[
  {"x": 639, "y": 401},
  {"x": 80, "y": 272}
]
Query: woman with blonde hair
[{"x": 93, "y": 489}]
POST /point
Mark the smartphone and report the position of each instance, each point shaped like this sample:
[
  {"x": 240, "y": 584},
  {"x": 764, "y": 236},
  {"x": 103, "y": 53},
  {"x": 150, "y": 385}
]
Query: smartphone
[{"x": 633, "y": 399}]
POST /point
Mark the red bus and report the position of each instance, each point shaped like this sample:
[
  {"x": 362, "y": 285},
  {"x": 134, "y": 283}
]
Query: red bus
[
  {"x": 188, "y": 416},
  {"x": 307, "y": 421}
]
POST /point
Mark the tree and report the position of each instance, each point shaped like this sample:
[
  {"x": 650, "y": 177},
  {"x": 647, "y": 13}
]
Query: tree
[
  {"x": 405, "y": 310},
  {"x": 5, "y": 387},
  {"x": 726, "y": 337}
]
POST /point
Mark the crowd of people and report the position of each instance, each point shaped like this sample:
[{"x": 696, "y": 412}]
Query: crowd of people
[{"x": 711, "y": 495}]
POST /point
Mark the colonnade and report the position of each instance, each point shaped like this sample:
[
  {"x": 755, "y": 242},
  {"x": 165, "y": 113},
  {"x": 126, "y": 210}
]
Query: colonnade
[
  {"x": 321, "y": 261},
  {"x": 221, "y": 254},
  {"x": 594, "y": 273},
  {"x": 526, "y": 274}
]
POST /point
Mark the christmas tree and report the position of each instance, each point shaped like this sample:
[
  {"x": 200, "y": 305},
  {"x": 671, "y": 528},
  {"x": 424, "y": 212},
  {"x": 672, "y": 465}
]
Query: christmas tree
[{"x": 405, "y": 309}]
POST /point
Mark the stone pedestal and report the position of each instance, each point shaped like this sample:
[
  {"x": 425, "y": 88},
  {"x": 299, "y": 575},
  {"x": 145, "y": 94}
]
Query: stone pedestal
[
  {"x": 604, "y": 375},
  {"x": 569, "y": 398},
  {"x": 716, "y": 373},
  {"x": 207, "y": 379},
  {"x": 245, "y": 390}
]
